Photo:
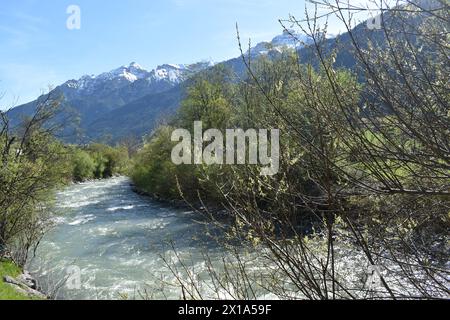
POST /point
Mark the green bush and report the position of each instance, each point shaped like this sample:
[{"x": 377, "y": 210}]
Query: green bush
[
  {"x": 153, "y": 170},
  {"x": 83, "y": 165},
  {"x": 98, "y": 161}
]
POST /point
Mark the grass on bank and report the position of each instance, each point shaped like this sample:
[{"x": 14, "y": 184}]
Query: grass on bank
[{"x": 7, "y": 292}]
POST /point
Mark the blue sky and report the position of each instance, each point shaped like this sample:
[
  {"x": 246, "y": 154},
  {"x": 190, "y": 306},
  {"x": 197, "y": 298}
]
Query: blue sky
[{"x": 37, "y": 50}]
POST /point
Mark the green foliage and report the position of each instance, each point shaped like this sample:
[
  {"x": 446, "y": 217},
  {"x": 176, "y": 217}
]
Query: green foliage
[
  {"x": 98, "y": 161},
  {"x": 32, "y": 167},
  {"x": 154, "y": 172},
  {"x": 83, "y": 165},
  {"x": 7, "y": 292},
  {"x": 207, "y": 100}
]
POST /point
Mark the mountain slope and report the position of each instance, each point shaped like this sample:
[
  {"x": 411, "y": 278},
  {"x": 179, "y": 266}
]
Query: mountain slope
[
  {"x": 137, "y": 118},
  {"x": 92, "y": 97}
]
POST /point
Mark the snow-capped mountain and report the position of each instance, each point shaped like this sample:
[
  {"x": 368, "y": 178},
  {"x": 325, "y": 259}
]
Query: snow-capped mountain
[
  {"x": 170, "y": 72},
  {"x": 131, "y": 100},
  {"x": 289, "y": 39},
  {"x": 126, "y": 75},
  {"x": 91, "y": 97}
]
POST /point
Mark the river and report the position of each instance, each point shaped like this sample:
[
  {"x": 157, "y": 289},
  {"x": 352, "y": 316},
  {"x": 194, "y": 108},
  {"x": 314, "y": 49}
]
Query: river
[
  {"x": 111, "y": 243},
  {"x": 108, "y": 242}
]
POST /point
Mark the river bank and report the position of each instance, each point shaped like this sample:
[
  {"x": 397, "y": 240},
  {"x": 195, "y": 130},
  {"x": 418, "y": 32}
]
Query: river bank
[{"x": 16, "y": 284}]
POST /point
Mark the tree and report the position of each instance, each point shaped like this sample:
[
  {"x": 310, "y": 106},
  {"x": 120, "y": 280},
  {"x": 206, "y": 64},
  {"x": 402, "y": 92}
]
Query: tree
[{"x": 32, "y": 163}]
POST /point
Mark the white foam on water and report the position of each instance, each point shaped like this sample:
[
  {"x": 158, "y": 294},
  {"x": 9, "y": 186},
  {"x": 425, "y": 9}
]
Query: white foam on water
[
  {"x": 78, "y": 204},
  {"x": 82, "y": 220},
  {"x": 103, "y": 231},
  {"x": 129, "y": 207},
  {"x": 132, "y": 262}
]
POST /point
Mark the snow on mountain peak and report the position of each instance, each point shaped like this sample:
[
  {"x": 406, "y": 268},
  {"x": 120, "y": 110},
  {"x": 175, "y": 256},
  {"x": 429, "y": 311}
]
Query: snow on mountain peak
[
  {"x": 171, "y": 72},
  {"x": 175, "y": 66},
  {"x": 133, "y": 72},
  {"x": 288, "y": 39},
  {"x": 136, "y": 66}
]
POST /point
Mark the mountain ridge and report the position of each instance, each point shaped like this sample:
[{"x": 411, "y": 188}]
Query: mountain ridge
[{"x": 96, "y": 99}]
